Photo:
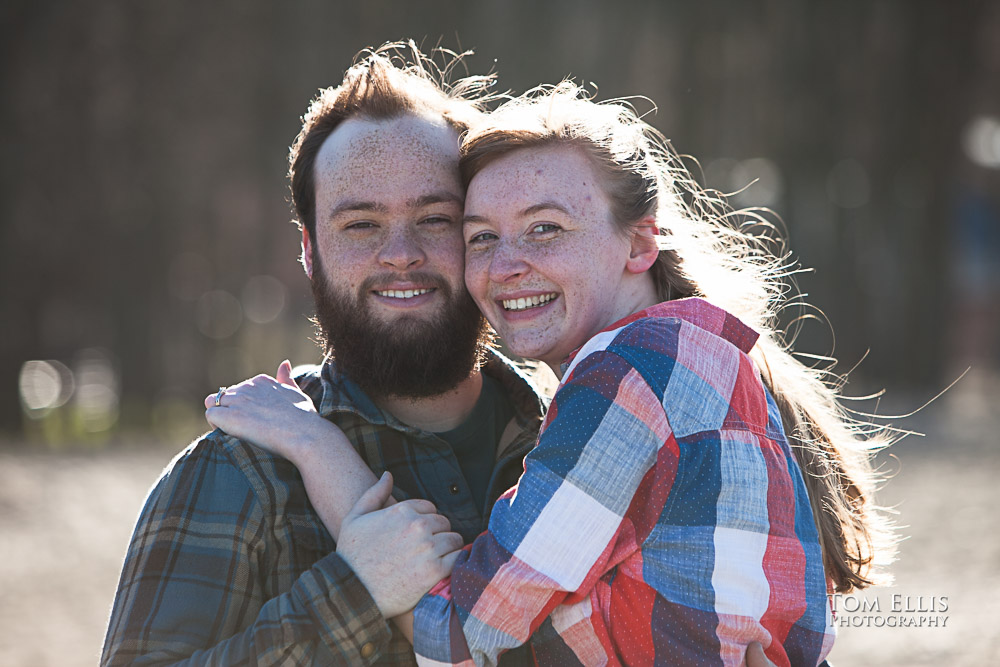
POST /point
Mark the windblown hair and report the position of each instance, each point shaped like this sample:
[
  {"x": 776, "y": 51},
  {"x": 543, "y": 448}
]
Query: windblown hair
[
  {"x": 727, "y": 257},
  {"x": 395, "y": 79}
]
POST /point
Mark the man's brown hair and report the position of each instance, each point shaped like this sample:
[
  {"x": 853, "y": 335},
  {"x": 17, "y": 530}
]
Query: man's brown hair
[{"x": 395, "y": 79}]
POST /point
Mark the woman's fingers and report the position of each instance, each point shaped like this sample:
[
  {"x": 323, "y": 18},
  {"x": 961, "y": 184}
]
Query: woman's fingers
[
  {"x": 418, "y": 506},
  {"x": 284, "y": 374},
  {"x": 448, "y": 562},
  {"x": 435, "y": 523}
]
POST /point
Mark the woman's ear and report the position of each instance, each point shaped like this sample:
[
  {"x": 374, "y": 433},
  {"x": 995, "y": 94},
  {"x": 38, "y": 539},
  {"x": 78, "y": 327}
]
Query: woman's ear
[{"x": 644, "y": 249}]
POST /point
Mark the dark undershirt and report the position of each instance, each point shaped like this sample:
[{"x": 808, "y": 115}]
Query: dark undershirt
[{"x": 475, "y": 440}]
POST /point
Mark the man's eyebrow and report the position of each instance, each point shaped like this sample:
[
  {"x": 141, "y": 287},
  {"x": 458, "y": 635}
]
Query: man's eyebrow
[
  {"x": 357, "y": 205},
  {"x": 442, "y": 197},
  {"x": 352, "y": 205}
]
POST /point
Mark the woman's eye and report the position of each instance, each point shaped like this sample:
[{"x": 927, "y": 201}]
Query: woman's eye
[
  {"x": 482, "y": 237},
  {"x": 544, "y": 227}
]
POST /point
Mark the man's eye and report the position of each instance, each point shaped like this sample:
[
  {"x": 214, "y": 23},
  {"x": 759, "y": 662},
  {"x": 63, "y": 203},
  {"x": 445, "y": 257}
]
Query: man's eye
[
  {"x": 436, "y": 220},
  {"x": 360, "y": 224}
]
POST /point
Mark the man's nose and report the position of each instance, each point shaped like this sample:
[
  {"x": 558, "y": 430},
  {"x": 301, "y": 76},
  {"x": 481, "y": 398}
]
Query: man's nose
[
  {"x": 401, "y": 251},
  {"x": 507, "y": 262}
]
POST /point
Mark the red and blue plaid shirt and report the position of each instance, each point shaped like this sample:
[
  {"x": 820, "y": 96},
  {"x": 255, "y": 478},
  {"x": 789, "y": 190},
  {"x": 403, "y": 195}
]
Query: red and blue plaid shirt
[{"x": 661, "y": 519}]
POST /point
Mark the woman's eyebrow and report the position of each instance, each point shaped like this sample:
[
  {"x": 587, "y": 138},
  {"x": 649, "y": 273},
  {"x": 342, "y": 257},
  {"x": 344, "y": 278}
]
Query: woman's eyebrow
[
  {"x": 473, "y": 219},
  {"x": 531, "y": 210},
  {"x": 544, "y": 206}
]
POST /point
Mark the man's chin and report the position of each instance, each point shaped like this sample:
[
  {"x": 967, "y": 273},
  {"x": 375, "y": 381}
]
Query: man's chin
[{"x": 412, "y": 352}]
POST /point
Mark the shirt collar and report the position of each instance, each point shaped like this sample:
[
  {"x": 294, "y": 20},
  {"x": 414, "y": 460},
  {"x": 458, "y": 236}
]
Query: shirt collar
[{"x": 695, "y": 311}]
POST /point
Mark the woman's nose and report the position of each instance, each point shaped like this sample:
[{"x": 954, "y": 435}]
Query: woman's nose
[{"x": 507, "y": 262}]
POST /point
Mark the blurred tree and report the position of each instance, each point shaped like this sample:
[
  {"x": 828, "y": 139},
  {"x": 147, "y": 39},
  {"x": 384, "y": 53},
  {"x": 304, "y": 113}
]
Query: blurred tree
[{"x": 145, "y": 151}]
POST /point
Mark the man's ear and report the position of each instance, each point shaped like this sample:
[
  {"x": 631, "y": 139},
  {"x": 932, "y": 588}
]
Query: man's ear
[
  {"x": 307, "y": 255},
  {"x": 644, "y": 249}
]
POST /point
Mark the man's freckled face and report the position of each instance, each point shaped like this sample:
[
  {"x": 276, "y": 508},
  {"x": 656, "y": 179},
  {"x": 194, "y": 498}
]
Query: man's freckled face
[{"x": 388, "y": 214}]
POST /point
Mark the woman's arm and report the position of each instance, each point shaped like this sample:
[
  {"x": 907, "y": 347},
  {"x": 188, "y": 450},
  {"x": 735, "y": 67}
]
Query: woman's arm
[
  {"x": 417, "y": 548},
  {"x": 274, "y": 414},
  {"x": 590, "y": 493}
]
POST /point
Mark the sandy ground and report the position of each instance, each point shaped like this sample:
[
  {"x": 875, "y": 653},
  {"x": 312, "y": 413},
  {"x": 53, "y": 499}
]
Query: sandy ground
[{"x": 65, "y": 520}]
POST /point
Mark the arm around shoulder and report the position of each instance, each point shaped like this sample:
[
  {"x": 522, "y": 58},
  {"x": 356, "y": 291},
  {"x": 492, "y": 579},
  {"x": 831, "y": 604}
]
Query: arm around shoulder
[{"x": 209, "y": 577}]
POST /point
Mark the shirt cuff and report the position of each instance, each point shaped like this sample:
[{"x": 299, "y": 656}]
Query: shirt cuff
[{"x": 348, "y": 619}]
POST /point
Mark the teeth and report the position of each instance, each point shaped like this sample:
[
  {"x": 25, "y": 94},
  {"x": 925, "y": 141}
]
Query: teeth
[
  {"x": 402, "y": 294},
  {"x": 529, "y": 302}
]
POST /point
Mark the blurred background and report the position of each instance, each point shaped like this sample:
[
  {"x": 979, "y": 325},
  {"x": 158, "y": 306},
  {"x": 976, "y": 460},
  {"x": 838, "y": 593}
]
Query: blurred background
[{"x": 147, "y": 254}]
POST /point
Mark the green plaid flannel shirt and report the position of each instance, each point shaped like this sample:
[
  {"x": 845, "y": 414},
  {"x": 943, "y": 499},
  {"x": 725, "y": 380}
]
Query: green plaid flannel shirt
[{"x": 230, "y": 565}]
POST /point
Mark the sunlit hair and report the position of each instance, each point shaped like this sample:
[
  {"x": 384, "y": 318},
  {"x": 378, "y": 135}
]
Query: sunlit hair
[
  {"x": 731, "y": 259},
  {"x": 393, "y": 80}
]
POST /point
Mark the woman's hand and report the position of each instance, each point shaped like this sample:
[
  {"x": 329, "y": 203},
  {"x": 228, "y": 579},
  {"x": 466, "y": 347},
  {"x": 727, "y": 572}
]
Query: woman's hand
[
  {"x": 399, "y": 553},
  {"x": 272, "y": 413}
]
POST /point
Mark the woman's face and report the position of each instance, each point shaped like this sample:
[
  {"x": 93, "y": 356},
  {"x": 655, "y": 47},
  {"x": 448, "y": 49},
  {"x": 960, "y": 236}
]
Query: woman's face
[{"x": 543, "y": 258}]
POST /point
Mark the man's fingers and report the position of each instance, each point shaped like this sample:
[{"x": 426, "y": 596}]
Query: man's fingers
[
  {"x": 373, "y": 499},
  {"x": 756, "y": 657}
]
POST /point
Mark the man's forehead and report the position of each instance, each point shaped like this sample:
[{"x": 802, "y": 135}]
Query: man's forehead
[{"x": 379, "y": 143}]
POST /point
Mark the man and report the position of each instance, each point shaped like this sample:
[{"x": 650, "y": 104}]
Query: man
[{"x": 229, "y": 562}]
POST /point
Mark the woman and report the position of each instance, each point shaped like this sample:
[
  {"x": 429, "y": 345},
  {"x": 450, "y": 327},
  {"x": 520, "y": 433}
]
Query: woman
[{"x": 662, "y": 515}]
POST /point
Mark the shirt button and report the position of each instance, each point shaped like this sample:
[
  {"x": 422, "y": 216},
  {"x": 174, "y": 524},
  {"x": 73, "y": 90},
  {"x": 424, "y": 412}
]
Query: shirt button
[
  {"x": 367, "y": 650},
  {"x": 454, "y": 489}
]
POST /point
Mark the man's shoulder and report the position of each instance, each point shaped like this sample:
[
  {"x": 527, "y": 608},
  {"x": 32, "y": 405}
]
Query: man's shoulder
[
  {"x": 529, "y": 403},
  {"x": 312, "y": 378},
  {"x": 220, "y": 465}
]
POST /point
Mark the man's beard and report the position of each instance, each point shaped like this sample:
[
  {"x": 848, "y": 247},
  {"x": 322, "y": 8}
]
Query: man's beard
[{"x": 409, "y": 357}]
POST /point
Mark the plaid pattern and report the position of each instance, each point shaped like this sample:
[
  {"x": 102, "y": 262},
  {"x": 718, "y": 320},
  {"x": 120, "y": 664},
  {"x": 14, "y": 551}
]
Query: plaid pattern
[
  {"x": 661, "y": 519},
  {"x": 230, "y": 565}
]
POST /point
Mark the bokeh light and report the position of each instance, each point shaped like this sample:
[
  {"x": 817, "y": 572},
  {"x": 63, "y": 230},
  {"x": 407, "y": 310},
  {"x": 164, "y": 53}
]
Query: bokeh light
[
  {"x": 219, "y": 314},
  {"x": 44, "y": 385},
  {"x": 97, "y": 394},
  {"x": 752, "y": 182},
  {"x": 981, "y": 141},
  {"x": 263, "y": 299}
]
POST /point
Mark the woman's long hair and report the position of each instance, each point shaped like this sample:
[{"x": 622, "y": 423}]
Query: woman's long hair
[{"x": 731, "y": 259}]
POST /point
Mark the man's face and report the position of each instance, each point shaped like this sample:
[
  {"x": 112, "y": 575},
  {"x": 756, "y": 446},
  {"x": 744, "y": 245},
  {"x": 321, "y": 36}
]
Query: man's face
[{"x": 387, "y": 257}]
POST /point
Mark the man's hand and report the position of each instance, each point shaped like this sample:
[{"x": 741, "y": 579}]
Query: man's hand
[
  {"x": 399, "y": 553},
  {"x": 756, "y": 657}
]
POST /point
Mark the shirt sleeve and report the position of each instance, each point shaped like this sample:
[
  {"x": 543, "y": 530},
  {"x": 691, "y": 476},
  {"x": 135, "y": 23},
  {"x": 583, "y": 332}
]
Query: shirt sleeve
[
  {"x": 589, "y": 495},
  {"x": 195, "y": 583}
]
